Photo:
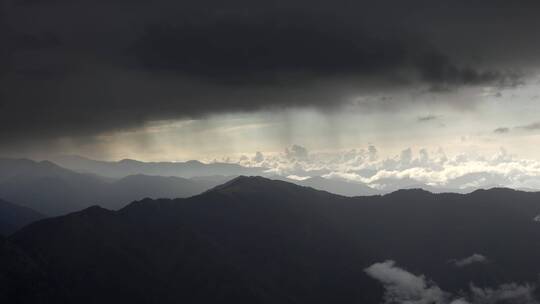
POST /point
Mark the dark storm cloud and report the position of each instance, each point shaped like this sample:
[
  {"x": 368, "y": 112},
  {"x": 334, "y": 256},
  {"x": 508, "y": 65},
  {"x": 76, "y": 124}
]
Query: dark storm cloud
[
  {"x": 72, "y": 68},
  {"x": 263, "y": 50}
]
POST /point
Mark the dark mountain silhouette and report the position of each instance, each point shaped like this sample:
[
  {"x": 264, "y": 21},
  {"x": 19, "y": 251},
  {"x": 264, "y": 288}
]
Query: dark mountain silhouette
[
  {"x": 254, "y": 240},
  {"x": 128, "y": 167},
  {"x": 53, "y": 190},
  {"x": 24, "y": 279},
  {"x": 14, "y": 217}
]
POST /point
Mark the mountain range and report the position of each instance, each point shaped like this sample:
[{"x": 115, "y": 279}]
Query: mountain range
[
  {"x": 126, "y": 167},
  {"x": 255, "y": 240},
  {"x": 54, "y": 190}
]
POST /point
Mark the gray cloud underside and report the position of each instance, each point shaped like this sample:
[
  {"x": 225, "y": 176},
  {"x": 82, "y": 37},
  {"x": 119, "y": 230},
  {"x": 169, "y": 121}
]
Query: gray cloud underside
[
  {"x": 71, "y": 68},
  {"x": 501, "y": 130},
  {"x": 534, "y": 126},
  {"x": 427, "y": 118}
]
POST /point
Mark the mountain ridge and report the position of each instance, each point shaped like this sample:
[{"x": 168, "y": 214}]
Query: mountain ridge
[
  {"x": 53, "y": 190},
  {"x": 266, "y": 241},
  {"x": 125, "y": 167}
]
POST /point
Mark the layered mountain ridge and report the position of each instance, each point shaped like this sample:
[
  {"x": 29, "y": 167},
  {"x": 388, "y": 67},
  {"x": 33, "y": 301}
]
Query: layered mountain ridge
[{"x": 258, "y": 240}]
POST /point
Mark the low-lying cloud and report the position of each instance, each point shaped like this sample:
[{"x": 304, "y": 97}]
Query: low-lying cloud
[
  {"x": 474, "y": 258},
  {"x": 404, "y": 287}
]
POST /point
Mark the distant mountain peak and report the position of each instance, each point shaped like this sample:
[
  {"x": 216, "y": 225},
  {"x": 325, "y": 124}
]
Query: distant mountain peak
[
  {"x": 94, "y": 211},
  {"x": 411, "y": 191},
  {"x": 245, "y": 179},
  {"x": 261, "y": 186},
  {"x": 239, "y": 181},
  {"x": 48, "y": 163},
  {"x": 128, "y": 161},
  {"x": 495, "y": 190},
  {"x": 194, "y": 162},
  {"x": 125, "y": 167}
]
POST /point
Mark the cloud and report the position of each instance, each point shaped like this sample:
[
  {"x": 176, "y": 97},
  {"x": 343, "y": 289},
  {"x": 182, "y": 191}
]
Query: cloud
[
  {"x": 296, "y": 152},
  {"x": 372, "y": 153},
  {"x": 531, "y": 127},
  {"x": 528, "y": 127},
  {"x": 505, "y": 293},
  {"x": 166, "y": 59},
  {"x": 501, "y": 130},
  {"x": 475, "y": 258},
  {"x": 433, "y": 170},
  {"x": 259, "y": 157},
  {"x": 427, "y": 118},
  {"x": 404, "y": 287},
  {"x": 278, "y": 51}
]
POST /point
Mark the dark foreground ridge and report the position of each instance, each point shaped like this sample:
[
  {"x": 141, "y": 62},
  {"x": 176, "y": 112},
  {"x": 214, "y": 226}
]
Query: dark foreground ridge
[{"x": 254, "y": 240}]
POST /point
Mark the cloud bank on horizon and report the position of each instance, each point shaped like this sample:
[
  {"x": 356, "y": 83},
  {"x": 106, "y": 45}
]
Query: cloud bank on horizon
[{"x": 432, "y": 170}]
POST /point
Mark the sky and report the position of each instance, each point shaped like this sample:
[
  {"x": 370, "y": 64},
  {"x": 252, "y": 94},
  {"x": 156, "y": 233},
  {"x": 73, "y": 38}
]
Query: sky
[{"x": 213, "y": 80}]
